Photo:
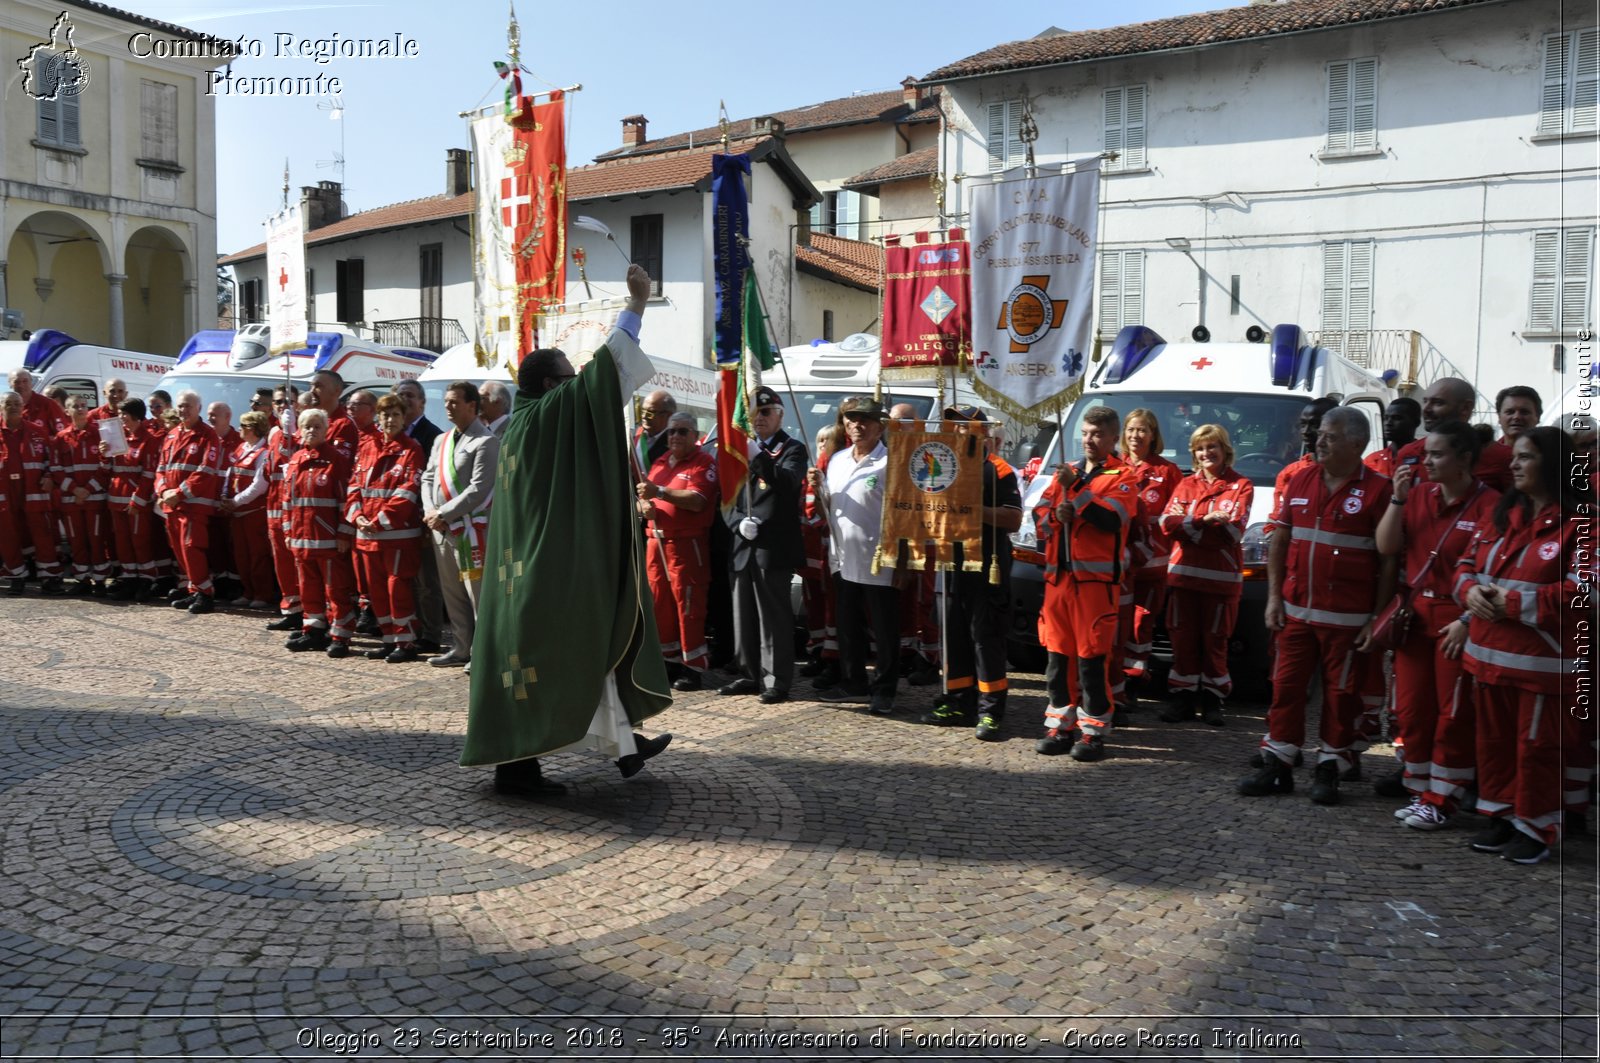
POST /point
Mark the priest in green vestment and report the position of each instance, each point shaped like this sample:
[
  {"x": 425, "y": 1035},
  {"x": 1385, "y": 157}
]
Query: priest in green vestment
[{"x": 566, "y": 654}]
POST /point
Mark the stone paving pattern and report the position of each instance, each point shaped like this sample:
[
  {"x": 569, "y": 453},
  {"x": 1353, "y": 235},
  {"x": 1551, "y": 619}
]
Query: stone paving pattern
[{"x": 213, "y": 848}]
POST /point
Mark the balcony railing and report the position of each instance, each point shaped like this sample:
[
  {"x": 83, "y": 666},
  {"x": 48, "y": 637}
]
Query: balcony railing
[
  {"x": 436, "y": 334},
  {"x": 1406, "y": 351}
]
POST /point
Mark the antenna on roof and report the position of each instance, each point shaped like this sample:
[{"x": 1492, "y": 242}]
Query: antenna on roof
[
  {"x": 722, "y": 123},
  {"x": 286, "y": 182}
]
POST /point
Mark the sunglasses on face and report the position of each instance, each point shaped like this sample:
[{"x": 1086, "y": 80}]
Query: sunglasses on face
[
  {"x": 680, "y": 431},
  {"x": 768, "y": 411}
]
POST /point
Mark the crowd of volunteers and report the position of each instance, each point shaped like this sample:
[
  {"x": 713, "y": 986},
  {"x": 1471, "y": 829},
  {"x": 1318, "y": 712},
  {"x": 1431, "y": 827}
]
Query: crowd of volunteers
[{"x": 1441, "y": 580}]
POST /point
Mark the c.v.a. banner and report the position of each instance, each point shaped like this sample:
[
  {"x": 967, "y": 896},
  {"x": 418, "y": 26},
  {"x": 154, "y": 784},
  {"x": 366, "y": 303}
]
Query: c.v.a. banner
[
  {"x": 933, "y": 499},
  {"x": 1033, "y": 259},
  {"x": 927, "y": 313}
]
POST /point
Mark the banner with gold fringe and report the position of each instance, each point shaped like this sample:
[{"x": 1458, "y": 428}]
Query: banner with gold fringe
[
  {"x": 933, "y": 500},
  {"x": 927, "y": 312}
]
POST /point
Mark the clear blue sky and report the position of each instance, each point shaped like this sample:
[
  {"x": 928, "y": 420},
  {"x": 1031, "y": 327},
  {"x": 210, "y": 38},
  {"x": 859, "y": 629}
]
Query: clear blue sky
[{"x": 659, "y": 59}]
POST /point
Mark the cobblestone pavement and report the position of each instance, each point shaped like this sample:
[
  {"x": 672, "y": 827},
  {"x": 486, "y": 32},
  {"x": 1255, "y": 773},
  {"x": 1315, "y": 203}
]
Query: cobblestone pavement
[{"x": 213, "y": 848}]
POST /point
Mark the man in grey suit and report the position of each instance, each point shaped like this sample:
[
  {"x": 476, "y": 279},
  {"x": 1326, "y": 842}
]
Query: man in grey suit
[
  {"x": 456, "y": 490},
  {"x": 494, "y": 407}
]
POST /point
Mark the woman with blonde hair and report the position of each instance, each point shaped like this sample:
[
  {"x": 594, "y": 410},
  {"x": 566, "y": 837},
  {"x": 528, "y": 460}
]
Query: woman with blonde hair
[{"x": 1205, "y": 521}]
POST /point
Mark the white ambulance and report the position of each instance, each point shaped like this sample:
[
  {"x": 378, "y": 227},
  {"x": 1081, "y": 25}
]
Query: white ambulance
[
  {"x": 57, "y": 360},
  {"x": 1254, "y": 390},
  {"x": 228, "y": 366}
]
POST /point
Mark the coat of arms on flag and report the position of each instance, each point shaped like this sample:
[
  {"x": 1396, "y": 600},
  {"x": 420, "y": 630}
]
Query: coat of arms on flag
[{"x": 927, "y": 321}]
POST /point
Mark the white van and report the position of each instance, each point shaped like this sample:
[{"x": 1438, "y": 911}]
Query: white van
[
  {"x": 228, "y": 366},
  {"x": 1254, "y": 390},
  {"x": 57, "y": 360}
]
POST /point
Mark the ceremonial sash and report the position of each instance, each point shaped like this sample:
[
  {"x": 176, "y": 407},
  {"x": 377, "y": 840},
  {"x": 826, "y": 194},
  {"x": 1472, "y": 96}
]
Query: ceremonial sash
[{"x": 472, "y": 530}]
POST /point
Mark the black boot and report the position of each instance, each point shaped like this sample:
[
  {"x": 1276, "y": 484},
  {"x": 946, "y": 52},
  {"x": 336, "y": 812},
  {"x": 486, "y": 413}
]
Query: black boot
[
  {"x": 1180, "y": 708},
  {"x": 1325, "y": 783},
  {"x": 1275, "y": 777},
  {"x": 523, "y": 778},
  {"x": 288, "y": 622},
  {"x": 1211, "y": 708}
]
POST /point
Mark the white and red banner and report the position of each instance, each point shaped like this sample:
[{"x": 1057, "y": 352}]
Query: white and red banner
[
  {"x": 927, "y": 307},
  {"x": 286, "y": 281},
  {"x": 1033, "y": 261}
]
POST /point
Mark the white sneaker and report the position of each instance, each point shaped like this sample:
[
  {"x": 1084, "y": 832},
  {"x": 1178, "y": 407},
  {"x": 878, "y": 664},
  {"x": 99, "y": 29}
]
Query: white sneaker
[
  {"x": 1403, "y": 814},
  {"x": 1428, "y": 817}
]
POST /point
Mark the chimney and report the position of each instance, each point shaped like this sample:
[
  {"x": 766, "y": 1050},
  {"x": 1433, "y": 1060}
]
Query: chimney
[
  {"x": 457, "y": 172},
  {"x": 321, "y": 204},
  {"x": 633, "y": 130},
  {"x": 911, "y": 93}
]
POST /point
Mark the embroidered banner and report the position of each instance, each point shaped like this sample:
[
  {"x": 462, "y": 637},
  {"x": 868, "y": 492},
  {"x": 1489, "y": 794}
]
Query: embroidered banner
[
  {"x": 286, "y": 281},
  {"x": 927, "y": 309},
  {"x": 730, "y": 233},
  {"x": 533, "y": 202},
  {"x": 933, "y": 498},
  {"x": 1033, "y": 262},
  {"x": 494, "y": 278}
]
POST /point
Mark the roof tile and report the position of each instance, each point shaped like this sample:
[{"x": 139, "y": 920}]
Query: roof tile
[
  {"x": 912, "y": 164},
  {"x": 853, "y": 262}
]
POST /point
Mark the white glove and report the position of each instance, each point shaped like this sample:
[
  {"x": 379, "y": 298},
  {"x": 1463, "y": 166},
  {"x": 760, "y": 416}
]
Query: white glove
[
  {"x": 751, "y": 449},
  {"x": 750, "y": 528}
]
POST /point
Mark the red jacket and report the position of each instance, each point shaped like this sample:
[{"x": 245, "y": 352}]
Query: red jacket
[
  {"x": 1106, "y": 509},
  {"x": 1493, "y": 468},
  {"x": 281, "y": 446},
  {"x": 46, "y": 413},
  {"x": 1299, "y": 465},
  {"x": 191, "y": 464},
  {"x": 387, "y": 489},
  {"x": 699, "y": 474},
  {"x": 1155, "y": 481},
  {"x": 1429, "y": 526},
  {"x": 133, "y": 474},
  {"x": 243, "y": 461},
  {"x": 1332, "y": 576},
  {"x": 344, "y": 437},
  {"x": 315, "y": 488},
  {"x": 1206, "y": 557},
  {"x": 1545, "y": 565},
  {"x": 79, "y": 464},
  {"x": 26, "y": 461}
]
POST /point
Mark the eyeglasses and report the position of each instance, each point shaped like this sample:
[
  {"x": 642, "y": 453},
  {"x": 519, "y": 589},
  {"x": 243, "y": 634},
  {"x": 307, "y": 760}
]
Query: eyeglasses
[
  {"x": 680, "y": 431},
  {"x": 280, "y": 402},
  {"x": 768, "y": 411}
]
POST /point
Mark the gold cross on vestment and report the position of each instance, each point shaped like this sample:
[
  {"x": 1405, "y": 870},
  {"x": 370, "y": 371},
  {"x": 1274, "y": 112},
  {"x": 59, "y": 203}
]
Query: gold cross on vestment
[
  {"x": 509, "y": 572},
  {"x": 519, "y": 686}
]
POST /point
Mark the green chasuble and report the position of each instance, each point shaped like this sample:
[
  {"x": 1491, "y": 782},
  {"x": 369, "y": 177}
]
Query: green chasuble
[{"x": 564, "y": 599}]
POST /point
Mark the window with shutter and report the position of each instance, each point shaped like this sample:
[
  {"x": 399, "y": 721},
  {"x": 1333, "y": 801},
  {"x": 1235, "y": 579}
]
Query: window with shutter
[
  {"x": 158, "y": 121},
  {"x": 1347, "y": 298},
  {"x": 1121, "y": 291},
  {"x": 1563, "y": 277},
  {"x": 1567, "y": 98},
  {"x": 1352, "y": 106},
  {"x": 1004, "y": 138},
  {"x": 1125, "y": 127},
  {"x": 58, "y": 118}
]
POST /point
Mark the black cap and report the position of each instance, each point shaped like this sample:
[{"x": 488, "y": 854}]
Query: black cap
[
  {"x": 863, "y": 406},
  {"x": 964, "y": 412},
  {"x": 764, "y": 396}
]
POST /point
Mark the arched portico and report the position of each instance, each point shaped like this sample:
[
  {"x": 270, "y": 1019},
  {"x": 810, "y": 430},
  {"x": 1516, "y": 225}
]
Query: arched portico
[{"x": 158, "y": 294}]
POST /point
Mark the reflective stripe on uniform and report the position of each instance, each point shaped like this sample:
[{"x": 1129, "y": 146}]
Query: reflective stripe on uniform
[
  {"x": 1327, "y": 538},
  {"x": 1325, "y": 616}
]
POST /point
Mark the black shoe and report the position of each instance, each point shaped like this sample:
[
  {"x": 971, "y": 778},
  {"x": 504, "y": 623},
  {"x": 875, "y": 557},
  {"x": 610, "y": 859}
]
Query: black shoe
[
  {"x": 1211, "y": 709},
  {"x": 1325, "y": 783},
  {"x": 309, "y": 641},
  {"x": 882, "y": 705},
  {"x": 740, "y": 686},
  {"x": 122, "y": 589},
  {"x": 524, "y": 779},
  {"x": 633, "y": 763},
  {"x": 1495, "y": 837},
  {"x": 339, "y": 648},
  {"x": 97, "y": 590},
  {"x": 402, "y": 654},
  {"x": 1393, "y": 785},
  {"x": 922, "y": 674},
  {"x": 201, "y": 604},
  {"x": 1352, "y": 773},
  {"x": 827, "y": 677},
  {"x": 367, "y": 623},
  {"x": 177, "y": 592},
  {"x": 184, "y": 602},
  {"x": 1180, "y": 708},
  {"x": 83, "y": 588},
  {"x": 380, "y": 653},
  {"x": 288, "y": 622},
  {"x": 1526, "y": 849},
  {"x": 17, "y": 587},
  {"x": 1274, "y": 778},
  {"x": 810, "y": 668},
  {"x": 773, "y": 696},
  {"x": 149, "y": 590},
  {"x": 689, "y": 680},
  {"x": 1262, "y": 757},
  {"x": 1089, "y": 748},
  {"x": 857, "y": 691},
  {"x": 988, "y": 729},
  {"x": 1128, "y": 705},
  {"x": 945, "y": 714},
  {"x": 428, "y": 647},
  {"x": 1055, "y": 742},
  {"x": 51, "y": 586}
]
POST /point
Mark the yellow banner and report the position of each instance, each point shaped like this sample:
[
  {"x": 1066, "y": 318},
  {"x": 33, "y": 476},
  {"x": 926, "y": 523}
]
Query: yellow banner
[{"x": 933, "y": 499}]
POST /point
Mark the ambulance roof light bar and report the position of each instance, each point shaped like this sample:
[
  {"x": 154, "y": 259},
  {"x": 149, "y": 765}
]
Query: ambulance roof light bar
[{"x": 1129, "y": 351}]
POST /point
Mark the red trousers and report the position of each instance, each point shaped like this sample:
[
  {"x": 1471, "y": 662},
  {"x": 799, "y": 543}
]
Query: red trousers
[
  {"x": 1303, "y": 651},
  {"x": 89, "y": 537},
  {"x": 1433, "y": 702},
  {"x": 131, "y": 530},
  {"x": 286, "y": 568},
  {"x": 1199, "y": 624},
  {"x": 22, "y": 533},
  {"x": 219, "y": 548},
  {"x": 680, "y": 576},
  {"x": 1520, "y": 736},
  {"x": 1149, "y": 595},
  {"x": 190, "y": 537},
  {"x": 1117, "y": 658},
  {"x": 816, "y": 596},
  {"x": 387, "y": 574},
  {"x": 252, "y": 556},
  {"x": 1079, "y": 623},
  {"x": 327, "y": 593}
]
